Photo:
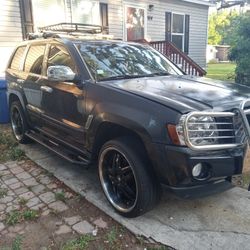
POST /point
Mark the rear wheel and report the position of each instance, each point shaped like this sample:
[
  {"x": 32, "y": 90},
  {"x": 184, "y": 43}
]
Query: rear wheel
[
  {"x": 126, "y": 178},
  {"x": 18, "y": 122}
]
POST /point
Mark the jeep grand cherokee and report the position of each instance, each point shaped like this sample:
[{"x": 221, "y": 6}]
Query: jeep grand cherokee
[{"x": 128, "y": 108}]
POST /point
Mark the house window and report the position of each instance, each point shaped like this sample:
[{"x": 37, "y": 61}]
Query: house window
[
  {"x": 177, "y": 30},
  {"x": 104, "y": 14},
  {"x": 47, "y": 12},
  {"x": 135, "y": 23},
  {"x": 26, "y": 17},
  {"x": 85, "y": 12}
]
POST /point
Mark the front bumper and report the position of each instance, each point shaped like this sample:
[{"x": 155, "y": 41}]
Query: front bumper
[
  {"x": 204, "y": 190},
  {"x": 174, "y": 166}
]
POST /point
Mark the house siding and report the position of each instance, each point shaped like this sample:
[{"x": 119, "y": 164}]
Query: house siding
[
  {"x": 10, "y": 29},
  {"x": 156, "y": 26}
]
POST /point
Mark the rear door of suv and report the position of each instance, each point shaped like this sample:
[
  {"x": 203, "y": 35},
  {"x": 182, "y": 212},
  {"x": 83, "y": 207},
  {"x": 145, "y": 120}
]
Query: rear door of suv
[
  {"x": 33, "y": 70},
  {"x": 23, "y": 76}
]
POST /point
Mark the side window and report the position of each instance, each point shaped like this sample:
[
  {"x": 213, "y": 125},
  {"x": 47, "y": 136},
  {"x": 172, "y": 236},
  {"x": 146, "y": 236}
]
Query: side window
[
  {"x": 15, "y": 63},
  {"x": 34, "y": 59},
  {"x": 58, "y": 55}
]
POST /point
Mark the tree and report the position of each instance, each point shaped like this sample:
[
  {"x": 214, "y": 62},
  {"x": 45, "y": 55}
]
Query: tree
[
  {"x": 240, "y": 51},
  {"x": 221, "y": 25}
]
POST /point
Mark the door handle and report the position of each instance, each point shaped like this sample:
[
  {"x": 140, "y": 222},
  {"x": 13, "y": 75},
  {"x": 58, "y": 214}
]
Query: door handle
[
  {"x": 20, "y": 81},
  {"x": 46, "y": 89}
]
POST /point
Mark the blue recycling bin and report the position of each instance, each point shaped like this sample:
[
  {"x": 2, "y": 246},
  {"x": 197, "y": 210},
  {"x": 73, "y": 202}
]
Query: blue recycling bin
[{"x": 4, "y": 110}]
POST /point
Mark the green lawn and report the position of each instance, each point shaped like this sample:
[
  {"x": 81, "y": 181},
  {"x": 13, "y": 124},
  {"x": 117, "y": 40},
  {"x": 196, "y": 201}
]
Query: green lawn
[{"x": 221, "y": 71}]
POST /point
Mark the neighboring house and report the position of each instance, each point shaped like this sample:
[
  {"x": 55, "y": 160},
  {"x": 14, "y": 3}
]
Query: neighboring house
[{"x": 184, "y": 22}]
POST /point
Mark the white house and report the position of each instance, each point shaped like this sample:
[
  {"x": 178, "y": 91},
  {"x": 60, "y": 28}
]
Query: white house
[{"x": 184, "y": 22}]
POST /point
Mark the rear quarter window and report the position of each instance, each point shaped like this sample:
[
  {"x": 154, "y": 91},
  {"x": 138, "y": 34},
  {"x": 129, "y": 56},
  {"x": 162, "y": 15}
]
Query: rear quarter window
[{"x": 17, "y": 58}]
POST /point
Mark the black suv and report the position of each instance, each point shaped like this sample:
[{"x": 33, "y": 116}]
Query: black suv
[{"x": 127, "y": 107}]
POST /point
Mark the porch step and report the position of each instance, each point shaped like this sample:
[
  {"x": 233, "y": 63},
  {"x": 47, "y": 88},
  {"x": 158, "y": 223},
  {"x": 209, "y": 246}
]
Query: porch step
[{"x": 65, "y": 152}]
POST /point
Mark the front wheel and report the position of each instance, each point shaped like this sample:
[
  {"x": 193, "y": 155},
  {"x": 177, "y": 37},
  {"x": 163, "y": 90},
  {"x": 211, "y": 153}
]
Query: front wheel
[{"x": 126, "y": 178}]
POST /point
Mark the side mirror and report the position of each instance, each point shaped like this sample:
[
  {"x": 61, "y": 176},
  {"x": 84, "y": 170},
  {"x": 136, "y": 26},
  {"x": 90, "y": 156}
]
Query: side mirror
[{"x": 60, "y": 73}]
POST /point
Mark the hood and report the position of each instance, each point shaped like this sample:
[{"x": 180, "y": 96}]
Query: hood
[{"x": 185, "y": 93}]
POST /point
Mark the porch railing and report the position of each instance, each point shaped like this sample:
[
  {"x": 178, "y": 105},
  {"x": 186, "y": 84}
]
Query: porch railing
[{"x": 180, "y": 58}]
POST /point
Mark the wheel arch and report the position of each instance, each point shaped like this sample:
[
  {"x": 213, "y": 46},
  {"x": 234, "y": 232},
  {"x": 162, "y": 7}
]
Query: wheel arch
[
  {"x": 108, "y": 130},
  {"x": 15, "y": 96}
]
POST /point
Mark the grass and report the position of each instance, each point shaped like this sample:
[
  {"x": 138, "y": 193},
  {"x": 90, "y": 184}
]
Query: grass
[
  {"x": 16, "y": 216},
  {"x": 17, "y": 243},
  {"x": 3, "y": 192},
  {"x": 9, "y": 146},
  {"x": 112, "y": 237},
  {"x": 60, "y": 196},
  {"x": 22, "y": 201},
  {"x": 30, "y": 214},
  {"x": 80, "y": 243},
  {"x": 221, "y": 71},
  {"x": 246, "y": 180}
]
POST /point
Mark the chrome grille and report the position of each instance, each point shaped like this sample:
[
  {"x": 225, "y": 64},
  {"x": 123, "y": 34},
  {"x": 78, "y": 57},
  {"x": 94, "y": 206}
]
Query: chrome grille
[
  {"x": 240, "y": 132},
  {"x": 214, "y": 130}
]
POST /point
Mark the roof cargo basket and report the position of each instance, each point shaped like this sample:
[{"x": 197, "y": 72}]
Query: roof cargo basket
[{"x": 70, "y": 28}]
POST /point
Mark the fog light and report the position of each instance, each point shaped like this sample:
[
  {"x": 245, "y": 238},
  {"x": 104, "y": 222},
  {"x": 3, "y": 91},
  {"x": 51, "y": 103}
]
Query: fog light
[
  {"x": 201, "y": 171},
  {"x": 197, "y": 169}
]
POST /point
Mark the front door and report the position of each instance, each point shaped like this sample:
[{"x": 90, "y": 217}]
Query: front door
[
  {"x": 63, "y": 102},
  {"x": 134, "y": 23}
]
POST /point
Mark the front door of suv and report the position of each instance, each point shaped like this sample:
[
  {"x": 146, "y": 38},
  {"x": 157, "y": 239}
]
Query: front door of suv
[{"x": 62, "y": 102}]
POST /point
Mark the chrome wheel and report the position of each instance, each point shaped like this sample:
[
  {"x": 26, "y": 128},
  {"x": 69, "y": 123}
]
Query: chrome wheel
[
  {"x": 17, "y": 123},
  {"x": 118, "y": 179}
]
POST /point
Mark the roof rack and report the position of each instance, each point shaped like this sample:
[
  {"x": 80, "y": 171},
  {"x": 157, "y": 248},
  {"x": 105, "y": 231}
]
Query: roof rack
[
  {"x": 74, "y": 27},
  {"x": 70, "y": 29}
]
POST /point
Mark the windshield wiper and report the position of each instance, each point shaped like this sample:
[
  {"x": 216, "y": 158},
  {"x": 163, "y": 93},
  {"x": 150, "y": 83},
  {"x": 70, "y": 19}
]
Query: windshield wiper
[
  {"x": 158, "y": 74},
  {"x": 121, "y": 77},
  {"x": 134, "y": 76}
]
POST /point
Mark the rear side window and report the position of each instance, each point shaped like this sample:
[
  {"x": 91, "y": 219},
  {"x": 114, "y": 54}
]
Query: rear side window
[
  {"x": 58, "y": 55},
  {"x": 15, "y": 64},
  {"x": 34, "y": 59}
]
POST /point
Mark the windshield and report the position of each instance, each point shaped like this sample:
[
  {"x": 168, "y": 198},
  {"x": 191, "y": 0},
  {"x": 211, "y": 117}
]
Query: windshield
[{"x": 107, "y": 61}]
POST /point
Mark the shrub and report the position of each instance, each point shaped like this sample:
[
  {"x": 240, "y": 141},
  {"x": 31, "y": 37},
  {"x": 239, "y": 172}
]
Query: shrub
[{"x": 240, "y": 51}]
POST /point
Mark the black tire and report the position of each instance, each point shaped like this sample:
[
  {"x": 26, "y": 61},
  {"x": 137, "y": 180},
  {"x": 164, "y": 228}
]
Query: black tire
[
  {"x": 142, "y": 191},
  {"x": 18, "y": 122}
]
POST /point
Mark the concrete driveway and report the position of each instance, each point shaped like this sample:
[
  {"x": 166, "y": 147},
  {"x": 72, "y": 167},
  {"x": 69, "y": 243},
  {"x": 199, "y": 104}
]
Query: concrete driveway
[{"x": 221, "y": 221}]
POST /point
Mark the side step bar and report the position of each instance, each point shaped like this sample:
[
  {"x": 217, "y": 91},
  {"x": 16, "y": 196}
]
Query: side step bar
[{"x": 64, "y": 152}]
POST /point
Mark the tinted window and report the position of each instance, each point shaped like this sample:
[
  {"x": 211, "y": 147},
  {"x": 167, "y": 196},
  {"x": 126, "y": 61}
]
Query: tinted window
[
  {"x": 58, "y": 55},
  {"x": 17, "y": 58},
  {"x": 34, "y": 59}
]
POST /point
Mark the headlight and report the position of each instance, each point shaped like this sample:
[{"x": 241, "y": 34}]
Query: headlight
[
  {"x": 202, "y": 130},
  {"x": 206, "y": 130}
]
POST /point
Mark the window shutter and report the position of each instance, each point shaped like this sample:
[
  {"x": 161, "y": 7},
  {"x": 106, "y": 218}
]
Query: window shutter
[
  {"x": 104, "y": 15},
  {"x": 168, "y": 25},
  {"x": 186, "y": 41}
]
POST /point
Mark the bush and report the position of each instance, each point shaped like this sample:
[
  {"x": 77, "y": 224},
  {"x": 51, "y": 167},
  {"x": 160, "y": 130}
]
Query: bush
[{"x": 240, "y": 51}]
